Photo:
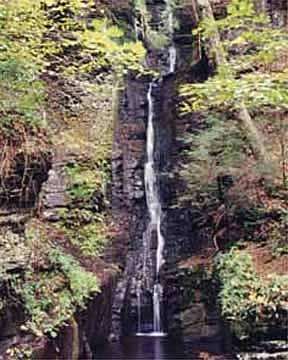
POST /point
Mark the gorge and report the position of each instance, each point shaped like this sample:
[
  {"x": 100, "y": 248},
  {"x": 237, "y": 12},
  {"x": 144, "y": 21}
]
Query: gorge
[{"x": 139, "y": 216}]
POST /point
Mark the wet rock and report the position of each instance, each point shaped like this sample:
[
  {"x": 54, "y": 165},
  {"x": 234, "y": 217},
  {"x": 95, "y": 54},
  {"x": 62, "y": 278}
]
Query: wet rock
[
  {"x": 54, "y": 194},
  {"x": 265, "y": 350},
  {"x": 14, "y": 219},
  {"x": 14, "y": 254}
]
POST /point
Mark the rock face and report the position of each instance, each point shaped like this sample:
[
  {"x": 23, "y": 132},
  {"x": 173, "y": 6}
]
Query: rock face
[
  {"x": 54, "y": 192},
  {"x": 128, "y": 193},
  {"x": 39, "y": 196},
  {"x": 92, "y": 326},
  {"x": 191, "y": 303},
  {"x": 128, "y": 200}
]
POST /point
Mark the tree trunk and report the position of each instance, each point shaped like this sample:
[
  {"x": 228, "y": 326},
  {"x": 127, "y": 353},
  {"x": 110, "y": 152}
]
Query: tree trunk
[
  {"x": 254, "y": 135},
  {"x": 215, "y": 51}
]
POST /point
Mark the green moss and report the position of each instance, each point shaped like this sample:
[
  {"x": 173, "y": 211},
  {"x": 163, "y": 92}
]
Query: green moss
[
  {"x": 82, "y": 282},
  {"x": 51, "y": 286},
  {"x": 51, "y": 297},
  {"x": 84, "y": 223},
  {"x": 84, "y": 182},
  {"x": 85, "y": 229},
  {"x": 90, "y": 239}
]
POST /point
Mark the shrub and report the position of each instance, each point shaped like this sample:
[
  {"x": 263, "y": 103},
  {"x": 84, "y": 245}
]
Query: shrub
[
  {"x": 51, "y": 297},
  {"x": 248, "y": 302}
]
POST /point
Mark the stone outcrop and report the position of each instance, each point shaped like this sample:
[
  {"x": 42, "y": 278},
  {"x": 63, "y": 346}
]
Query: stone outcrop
[
  {"x": 42, "y": 194},
  {"x": 128, "y": 200},
  {"x": 192, "y": 310}
]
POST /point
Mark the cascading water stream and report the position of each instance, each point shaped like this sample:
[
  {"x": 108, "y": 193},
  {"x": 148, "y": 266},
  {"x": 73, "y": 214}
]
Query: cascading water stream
[
  {"x": 153, "y": 200},
  {"x": 172, "y": 48},
  {"x": 155, "y": 210},
  {"x": 154, "y": 225}
]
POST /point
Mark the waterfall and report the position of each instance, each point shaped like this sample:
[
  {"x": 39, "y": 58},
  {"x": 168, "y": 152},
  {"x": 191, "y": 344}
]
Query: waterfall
[
  {"x": 138, "y": 292},
  {"x": 153, "y": 200},
  {"x": 154, "y": 209},
  {"x": 155, "y": 217},
  {"x": 172, "y": 57},
  {"x": 172, "y": 49}
]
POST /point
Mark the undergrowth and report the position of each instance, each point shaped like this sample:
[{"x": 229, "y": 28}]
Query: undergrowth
[
  {"x": 51, "y": 297},
  {"x": 247, "y": 301}
]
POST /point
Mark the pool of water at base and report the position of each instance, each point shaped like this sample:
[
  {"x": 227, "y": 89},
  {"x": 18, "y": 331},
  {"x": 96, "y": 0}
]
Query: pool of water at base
[{"x": 159, "y": 348}]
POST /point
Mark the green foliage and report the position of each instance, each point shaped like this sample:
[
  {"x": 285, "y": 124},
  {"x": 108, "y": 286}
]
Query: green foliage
[
  {"x": 36, "y": 35},
  {"x": 225, "y": 146},
  {"x": 85, "y": 229},
  {"x": 91, "y": 239},
  {"x": 52, "y": 297},
  {"x": 85, "y": 225},
  {"x": 257, "y": 90},
  {"x": 53, "y": 285},
  {"x": 22, "y": 352},
  {"x": 214, "y": 152},
  {"x": 103, "y": 46},
  {"x": 83, "y": 185},
  {"x": 22, "y": 27},
  {"x": 140, "y": 5},
  {"x": 95, "y": 45},
  {"x": 21, "y": 92},
  {"x": 246, "y": 300},
  {"x": 84, "y": 182},
  {"x": 229, "y": 87},
  {"x": 82, "y": 283}
]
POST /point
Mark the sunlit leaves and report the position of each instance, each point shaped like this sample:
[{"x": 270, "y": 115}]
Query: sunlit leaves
[
  {"x": 234, "y": 83},
  {"x": 97, "y": 44},
  {"x": 78, "y": 7},
  {"x": 255, "y": 89},
  {"x": 245, "y": 298},
  {"x": 21, "y": 60},
  {"x": 35, "y": 35},
  {"x": 250, "y": 75}
]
